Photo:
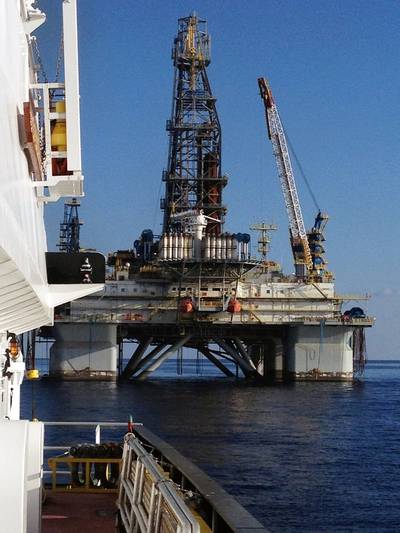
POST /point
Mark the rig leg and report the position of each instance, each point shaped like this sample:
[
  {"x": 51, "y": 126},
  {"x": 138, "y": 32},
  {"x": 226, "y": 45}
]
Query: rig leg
[
  {"x": 136, "y": 356},
  {"x": 247, "y": 369},
  {"x": 243, "y": 352},
  {"x": 155, "y": 351},
  {"x": 163, "y": 357},
  {"x": 205, "y": 351},
  {"x": 269, "y": 359}
]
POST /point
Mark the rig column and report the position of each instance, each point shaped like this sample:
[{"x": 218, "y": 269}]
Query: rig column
[
  {"x": 320, "y": 353},
  {"x": 84, "y": 351}
]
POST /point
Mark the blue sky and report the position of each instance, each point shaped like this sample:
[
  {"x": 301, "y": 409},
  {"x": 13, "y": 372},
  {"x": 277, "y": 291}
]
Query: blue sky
[{"x": 334, "y": 70}]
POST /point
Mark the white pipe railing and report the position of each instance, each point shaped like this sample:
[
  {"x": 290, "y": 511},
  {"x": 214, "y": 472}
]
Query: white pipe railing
[{"x": 148, "y": 501}]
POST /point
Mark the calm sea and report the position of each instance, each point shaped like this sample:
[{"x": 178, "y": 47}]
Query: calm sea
[{"x": 300, "y": 457}]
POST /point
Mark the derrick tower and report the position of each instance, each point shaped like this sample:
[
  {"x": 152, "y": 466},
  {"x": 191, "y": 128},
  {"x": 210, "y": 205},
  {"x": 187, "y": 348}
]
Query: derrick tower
[
  {"x": 193, "y": 180},
  {"x": 70, "y": 228}
]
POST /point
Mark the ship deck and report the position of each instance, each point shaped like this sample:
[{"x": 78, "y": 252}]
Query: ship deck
[{"x": 64, "y": 512}]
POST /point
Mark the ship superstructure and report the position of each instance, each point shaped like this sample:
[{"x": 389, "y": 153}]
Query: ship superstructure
[
  {"x": 196, "y": 286},
  {"x": 40, "y": 162}
]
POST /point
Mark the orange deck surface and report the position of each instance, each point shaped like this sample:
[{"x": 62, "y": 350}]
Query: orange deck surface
[{"x": 63, "y": 512}]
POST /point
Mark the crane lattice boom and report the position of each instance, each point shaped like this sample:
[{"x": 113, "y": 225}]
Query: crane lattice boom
[{"x": 285, "y": 171}]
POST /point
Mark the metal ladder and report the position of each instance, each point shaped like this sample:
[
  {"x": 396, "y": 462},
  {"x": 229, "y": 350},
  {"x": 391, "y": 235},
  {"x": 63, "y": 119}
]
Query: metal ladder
[{"x": 147, "y": 500}]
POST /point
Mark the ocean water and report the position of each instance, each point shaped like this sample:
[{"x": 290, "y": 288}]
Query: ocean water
[{"x": 300, "y": 457}]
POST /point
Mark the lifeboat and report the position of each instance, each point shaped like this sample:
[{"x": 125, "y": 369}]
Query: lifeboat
[
  {"x": 186, "y": 306},
  {"x": 234, "y": 306}
]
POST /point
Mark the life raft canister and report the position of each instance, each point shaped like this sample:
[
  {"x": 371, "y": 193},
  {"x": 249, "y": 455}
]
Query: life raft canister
[
  {"x": 78, "y": 470},
  {"x": 101, "y": 475}
]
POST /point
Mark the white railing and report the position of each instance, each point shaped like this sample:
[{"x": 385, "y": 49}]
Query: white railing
[
  {"x": 4, "y": 397},
  {"x": 148, "y": 501}
]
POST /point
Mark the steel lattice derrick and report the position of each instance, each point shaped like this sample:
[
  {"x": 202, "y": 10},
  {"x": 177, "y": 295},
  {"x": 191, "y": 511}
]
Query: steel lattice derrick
[
  {"x": 193, "y": 177},
  {"x": 70, "y": 228}
]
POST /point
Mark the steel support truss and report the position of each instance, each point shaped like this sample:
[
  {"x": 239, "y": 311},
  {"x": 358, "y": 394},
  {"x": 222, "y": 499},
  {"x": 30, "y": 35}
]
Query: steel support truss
[{"x": 150, "y": 354}]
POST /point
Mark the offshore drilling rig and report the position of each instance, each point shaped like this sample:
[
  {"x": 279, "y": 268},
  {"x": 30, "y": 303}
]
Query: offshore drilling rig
[{"x": 196, "y": 286}]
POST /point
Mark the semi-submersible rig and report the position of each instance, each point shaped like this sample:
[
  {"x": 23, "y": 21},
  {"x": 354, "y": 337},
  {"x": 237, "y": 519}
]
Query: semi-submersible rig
[{"x": 196, "y": 286}]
